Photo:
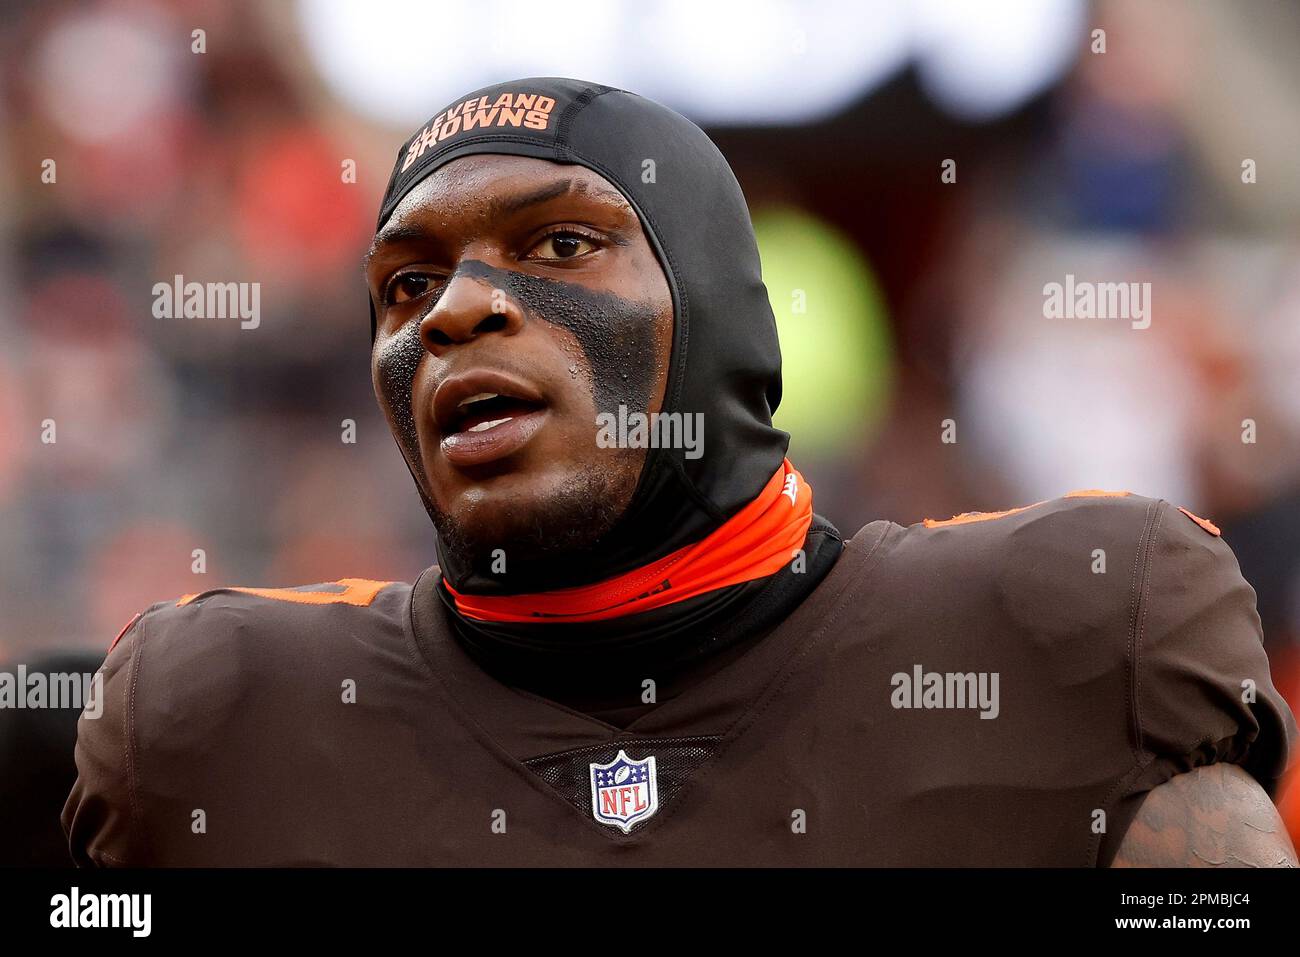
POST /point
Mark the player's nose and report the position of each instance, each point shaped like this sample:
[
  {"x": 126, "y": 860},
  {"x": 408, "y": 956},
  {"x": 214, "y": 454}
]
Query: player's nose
[{"x": 469, "y": 307}]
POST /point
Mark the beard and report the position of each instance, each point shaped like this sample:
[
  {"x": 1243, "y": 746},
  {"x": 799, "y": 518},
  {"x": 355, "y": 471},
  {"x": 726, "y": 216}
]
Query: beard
[{"x": 570, "y": 519}]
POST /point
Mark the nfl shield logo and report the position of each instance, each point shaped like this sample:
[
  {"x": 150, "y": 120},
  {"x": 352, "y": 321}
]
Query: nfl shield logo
[{"x": 624, "y": 792}]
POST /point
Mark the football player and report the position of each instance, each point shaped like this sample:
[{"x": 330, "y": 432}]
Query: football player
[{"x": 640, "y": 645}]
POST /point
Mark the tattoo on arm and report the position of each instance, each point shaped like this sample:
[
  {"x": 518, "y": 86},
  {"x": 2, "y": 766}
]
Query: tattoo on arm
[{"x": 1213, "y": 816}]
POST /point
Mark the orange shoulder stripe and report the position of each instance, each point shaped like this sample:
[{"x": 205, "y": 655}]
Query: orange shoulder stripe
[
  {"x": 354, "y": 591},
  {"x": 1205, "y": 523},
  {"x": 966, "y": 518}
]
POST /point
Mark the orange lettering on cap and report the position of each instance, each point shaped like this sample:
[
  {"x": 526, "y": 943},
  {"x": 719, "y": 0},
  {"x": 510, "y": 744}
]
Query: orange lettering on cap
[
  {"x": 528, "y": 110},
  {"x": 480, "y": 118}
]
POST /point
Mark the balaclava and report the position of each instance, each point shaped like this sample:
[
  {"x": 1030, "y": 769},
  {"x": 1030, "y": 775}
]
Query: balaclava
[{"x": 725, "y": 360}]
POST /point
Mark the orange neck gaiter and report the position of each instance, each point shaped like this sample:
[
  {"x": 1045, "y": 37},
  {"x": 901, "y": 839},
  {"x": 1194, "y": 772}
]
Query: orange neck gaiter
[{"x": 755, "y": 542}]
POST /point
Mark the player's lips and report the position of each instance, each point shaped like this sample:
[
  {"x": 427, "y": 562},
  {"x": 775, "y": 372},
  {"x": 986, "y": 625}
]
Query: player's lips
[{"x": 486, "y": 415}]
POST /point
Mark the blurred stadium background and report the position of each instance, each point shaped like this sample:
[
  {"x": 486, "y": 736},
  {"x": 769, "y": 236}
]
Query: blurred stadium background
[{"x": 902, "y": 300}]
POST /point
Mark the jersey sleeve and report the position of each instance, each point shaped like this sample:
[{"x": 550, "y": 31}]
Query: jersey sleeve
[
  {"x": 1200, "y": 687},
  {"x": 101, "y": 816}
]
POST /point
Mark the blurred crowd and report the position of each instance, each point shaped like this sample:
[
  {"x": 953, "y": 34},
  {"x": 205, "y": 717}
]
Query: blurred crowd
[{"x": 190, "y": 453}]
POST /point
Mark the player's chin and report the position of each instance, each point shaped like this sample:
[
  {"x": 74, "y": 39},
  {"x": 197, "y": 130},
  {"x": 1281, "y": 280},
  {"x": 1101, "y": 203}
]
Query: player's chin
[{"x": 541, "y": 507}]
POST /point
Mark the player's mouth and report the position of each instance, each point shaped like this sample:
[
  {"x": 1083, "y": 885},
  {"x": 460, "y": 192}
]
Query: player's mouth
[{"x": 484, "y": 416}]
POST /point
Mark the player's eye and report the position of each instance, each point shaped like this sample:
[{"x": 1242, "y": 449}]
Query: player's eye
[
  {"x": 563, "y": 244},
  {"x": 407, "y": 286}
]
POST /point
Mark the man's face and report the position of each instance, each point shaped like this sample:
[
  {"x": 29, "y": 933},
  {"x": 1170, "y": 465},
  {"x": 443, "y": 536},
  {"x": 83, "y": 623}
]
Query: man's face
[{"x": 515, "y": 299}]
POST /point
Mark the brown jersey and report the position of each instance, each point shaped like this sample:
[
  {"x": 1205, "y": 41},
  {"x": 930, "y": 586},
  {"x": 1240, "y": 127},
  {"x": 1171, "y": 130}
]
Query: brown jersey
[{"x": 995, "y": 689}]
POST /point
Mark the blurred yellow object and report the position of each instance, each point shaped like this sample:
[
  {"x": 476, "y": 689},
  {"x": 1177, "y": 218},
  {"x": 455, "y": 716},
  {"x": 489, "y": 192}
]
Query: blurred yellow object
[{"x": 836, "y": 347}]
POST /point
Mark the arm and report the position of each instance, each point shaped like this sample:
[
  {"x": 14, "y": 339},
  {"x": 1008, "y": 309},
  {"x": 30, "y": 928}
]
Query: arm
[
  {"x": 101, "y": 814},
  {"x": 1204, "y": 710},
  {"x": 1213, "y": 816}
]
